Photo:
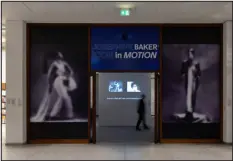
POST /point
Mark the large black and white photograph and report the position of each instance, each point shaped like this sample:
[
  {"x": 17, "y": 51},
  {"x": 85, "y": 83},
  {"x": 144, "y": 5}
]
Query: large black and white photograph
[
  {"x": 191, "y": 83},
  {"x": 59, "y": 77}
]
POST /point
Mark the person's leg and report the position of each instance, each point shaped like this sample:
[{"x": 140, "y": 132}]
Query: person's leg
[
  {"x": 69, "y": 105},
  {"x": 58, "y": 85},
  {"x": 194, "y": 96},
  {"x": 56, "y": 108},
  {"x": 144, "y": 122},
  {"x": 190, "y": 85},
  {"x": 189, "y": 112},
  {"x": 139, "y": 122},
  {"x": 67, "y": 100},
  {"x": 189, "y": 100}
]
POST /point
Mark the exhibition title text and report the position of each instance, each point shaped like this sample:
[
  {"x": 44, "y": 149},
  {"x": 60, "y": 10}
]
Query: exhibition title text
[{"x": 126, "y": 51}]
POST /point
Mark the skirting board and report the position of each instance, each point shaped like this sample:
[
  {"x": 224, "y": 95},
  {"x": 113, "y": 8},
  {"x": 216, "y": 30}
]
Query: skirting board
[
  {"x": 175, "y": 141},
  {"x": 59, "y": 141},
  {"x": 15, "y": 144}
]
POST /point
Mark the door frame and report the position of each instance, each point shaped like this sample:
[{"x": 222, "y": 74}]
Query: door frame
[{"x": 156, "y": 119}]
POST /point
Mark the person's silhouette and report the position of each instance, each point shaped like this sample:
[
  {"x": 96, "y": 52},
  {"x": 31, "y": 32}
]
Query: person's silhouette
[{"x": 141, "y": 114}]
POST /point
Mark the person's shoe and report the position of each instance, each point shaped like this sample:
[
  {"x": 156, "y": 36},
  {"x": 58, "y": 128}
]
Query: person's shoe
[
  {"x": 138, "y": 129},
  {"x": 146, "y": 128}
]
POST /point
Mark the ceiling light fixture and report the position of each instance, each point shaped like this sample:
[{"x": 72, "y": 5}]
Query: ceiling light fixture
[
  {"x": 125, "y": 5},
  {"x": 217, "y": 16},
  {"x": 125, "y": 8}
]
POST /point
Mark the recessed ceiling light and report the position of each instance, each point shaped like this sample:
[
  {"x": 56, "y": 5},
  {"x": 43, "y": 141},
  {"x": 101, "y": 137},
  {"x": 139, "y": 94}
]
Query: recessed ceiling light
[
  {"x": 228, "y": 8},
  {"x": 228, "y": 5},
  {"x": 217, "y": 16},
  {"x": 125, "y": 5}
]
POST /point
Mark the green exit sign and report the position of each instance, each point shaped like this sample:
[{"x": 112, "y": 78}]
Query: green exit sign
[{"x": 125, "y": 12}]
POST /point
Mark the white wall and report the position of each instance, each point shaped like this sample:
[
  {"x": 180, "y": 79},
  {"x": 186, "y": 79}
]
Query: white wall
[
  {"x": 122, "y": 112},
  {"x": 3, "y": 65},
  {"x": 152, "y": 94},
  {"x": 3, "y": 61},
  {"x": 227, "y": 82},
  {"x": 16, "y": 82}
]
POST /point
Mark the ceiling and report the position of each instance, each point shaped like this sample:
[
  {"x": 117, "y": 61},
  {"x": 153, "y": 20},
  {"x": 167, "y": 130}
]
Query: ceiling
[{"x": 107, "y": 12}]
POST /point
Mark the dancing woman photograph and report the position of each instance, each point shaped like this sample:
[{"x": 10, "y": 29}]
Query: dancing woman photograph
[
  {"x": 191, "y": 73},
  {"x": 190, "y": 89},
  {"x": 60, "y": 83}
]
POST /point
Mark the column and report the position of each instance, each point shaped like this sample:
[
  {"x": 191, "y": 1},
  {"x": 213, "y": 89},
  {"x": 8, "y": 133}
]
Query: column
[
  {"x": 16, "y": 82},
  {"x": 227, "y": 82}
]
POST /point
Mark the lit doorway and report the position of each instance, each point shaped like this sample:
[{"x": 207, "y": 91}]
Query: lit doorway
[{"x": 114, "y": 110}]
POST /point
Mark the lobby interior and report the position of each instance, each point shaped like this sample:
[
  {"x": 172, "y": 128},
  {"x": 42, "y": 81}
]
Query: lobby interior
[{"x": 17, "y": 14}]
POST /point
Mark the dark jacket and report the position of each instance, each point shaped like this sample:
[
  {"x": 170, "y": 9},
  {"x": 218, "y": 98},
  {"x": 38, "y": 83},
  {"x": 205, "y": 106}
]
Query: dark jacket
[{"x": 141, "y": 107}]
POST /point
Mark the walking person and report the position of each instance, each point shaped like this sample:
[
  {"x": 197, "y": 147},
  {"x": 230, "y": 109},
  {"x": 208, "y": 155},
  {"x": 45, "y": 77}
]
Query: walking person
[{"x": 141, "y": 114}]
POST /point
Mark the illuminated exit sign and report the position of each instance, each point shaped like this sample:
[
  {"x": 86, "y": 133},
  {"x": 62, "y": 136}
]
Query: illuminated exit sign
[{"x": 124, "y": 12}]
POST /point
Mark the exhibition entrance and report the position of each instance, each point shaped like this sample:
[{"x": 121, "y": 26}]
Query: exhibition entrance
[
  {"x": 117, "y": 98},
  {"x": 176, "y": 67}
]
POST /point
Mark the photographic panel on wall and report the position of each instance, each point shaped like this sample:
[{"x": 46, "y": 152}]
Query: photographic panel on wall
[
  {"x": 191, "y": 79},
  {"x": 58, "y": 82}
]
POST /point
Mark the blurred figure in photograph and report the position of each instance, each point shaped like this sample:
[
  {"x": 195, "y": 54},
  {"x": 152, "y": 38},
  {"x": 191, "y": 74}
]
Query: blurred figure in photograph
[
  {"x": 60, "y": 81},
  {"x": 141, "y": 114},
  {"x": 191, "y": 73},
  {"x": 115, "y": 87},
  {"x": 134, "y": 87}
]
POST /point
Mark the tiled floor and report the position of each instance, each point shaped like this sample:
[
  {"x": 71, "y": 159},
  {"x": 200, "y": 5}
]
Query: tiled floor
[
  {"x": 114, "y": 151},
  {"x": 118, "y": 151},
  {"x": 124, "y": 134}
]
